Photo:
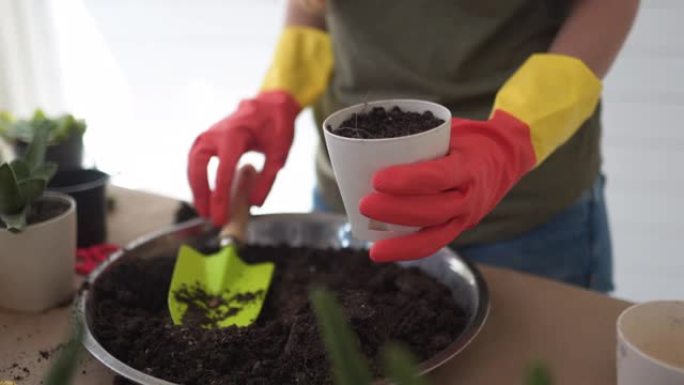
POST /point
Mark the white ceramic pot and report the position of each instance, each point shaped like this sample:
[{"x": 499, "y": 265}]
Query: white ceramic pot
[
  {"x": 37, "y": 265},
  {"x": 354, "y": 161},
  {"x": 650, "y": 348}
]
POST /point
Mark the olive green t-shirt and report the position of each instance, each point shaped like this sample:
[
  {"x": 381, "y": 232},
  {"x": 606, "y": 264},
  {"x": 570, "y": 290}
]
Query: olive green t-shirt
[{"x": 457, "y": 53}]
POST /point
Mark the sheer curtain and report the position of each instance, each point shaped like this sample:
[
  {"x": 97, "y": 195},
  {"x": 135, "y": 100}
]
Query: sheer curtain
[
  {"x": 53, "y": 56},
  {"x": 29, "y": 63}
]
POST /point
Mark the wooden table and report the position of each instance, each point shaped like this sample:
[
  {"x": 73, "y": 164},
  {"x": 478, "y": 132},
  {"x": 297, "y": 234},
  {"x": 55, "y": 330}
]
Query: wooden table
[{"x": 571, "y": 329}]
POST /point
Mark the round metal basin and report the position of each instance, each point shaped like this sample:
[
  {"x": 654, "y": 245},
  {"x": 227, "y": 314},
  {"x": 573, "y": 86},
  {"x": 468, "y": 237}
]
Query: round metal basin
[{"x": 313, "y": 230}]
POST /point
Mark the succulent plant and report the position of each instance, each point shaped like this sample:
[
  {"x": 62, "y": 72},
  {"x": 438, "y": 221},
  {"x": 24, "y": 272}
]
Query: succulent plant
[
  {"x": 23, "y": 181},
  {"x": 60, "y": 128}
]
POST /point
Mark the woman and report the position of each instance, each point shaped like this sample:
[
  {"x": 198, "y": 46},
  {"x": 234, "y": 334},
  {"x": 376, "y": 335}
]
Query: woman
[{"x": 521, "y": 185}]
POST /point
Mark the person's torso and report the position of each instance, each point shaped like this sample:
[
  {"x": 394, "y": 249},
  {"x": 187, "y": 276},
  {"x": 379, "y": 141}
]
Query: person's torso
[{"x": 457, "y": 53}]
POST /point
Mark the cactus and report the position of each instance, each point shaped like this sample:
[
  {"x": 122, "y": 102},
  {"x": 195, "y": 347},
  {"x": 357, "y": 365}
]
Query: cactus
[{"x": 23, "y": 181}]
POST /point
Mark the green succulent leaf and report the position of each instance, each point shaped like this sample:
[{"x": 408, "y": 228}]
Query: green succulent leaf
[
  {"x": 6, "y": 121},
  {"x": 400, "y": 365},
  {"x": 6, "y": 116},
  {"x": 15, "y": 223},
  {"x": 62, "y": 371},
  {"x": 349, "y": 366},
  {"x": 39, "y": 115},
  {"x": 35, "y": 154},
  {"x": 11, "y": 200},
  {"x": 21, "y": 169},
  {"x": 59, "y": 128},
  {"x": 45, "y": 172},
  {"x": 32, "y": 189},
  {"x": 537, "y": 373}
]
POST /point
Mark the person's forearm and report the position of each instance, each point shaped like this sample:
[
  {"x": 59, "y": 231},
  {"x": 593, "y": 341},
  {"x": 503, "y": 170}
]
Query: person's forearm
[
  {"x": 595, "y": 31},
  {"x": 300, "y": 14}
]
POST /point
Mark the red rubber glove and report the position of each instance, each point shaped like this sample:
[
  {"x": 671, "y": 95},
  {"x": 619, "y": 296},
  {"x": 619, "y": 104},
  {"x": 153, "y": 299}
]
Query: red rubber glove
[
  {"x": 449, "y": 195},
  {"x": 536, "y": 110},
  {"x": 264, "y": 124}
]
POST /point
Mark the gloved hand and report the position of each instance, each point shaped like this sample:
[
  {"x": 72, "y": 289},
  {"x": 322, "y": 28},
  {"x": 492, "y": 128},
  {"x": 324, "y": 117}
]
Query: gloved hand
[
  {"x": 297, "y": 77},
  {"x": 264, "y": 124},
  {"x": 536, "y": 110}
]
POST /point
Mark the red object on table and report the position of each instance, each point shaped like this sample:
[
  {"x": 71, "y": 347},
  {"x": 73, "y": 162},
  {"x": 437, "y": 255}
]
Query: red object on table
[{"x": 88, "y": 258}]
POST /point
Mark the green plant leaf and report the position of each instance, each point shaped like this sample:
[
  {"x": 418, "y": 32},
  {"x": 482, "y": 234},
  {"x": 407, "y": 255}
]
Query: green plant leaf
[
  {"x": 21, "y": 169},
  {"x": 400, "y": 365},
  {"x": 349, "y": 366},
  {"x": 20, "y": 130},
  {"x": 81, "y": 126},
  {"x": 6, "y": 121},
  {"x": 35, "y": 154},
  {"x": 63, "y": 368},
  {"x": 15, "y": 223},
  {"x": 45, "y": 172},
  {"x": 537, "y": 373},
  {"x": 6, "y": 116},
  {"x": 63, "y": 128},
  {"x": 11, "y": 200},
  {"x": 32, "y": 189},
  {"x": 38, "y": 114},
  {"x": 67, "y": 126}
]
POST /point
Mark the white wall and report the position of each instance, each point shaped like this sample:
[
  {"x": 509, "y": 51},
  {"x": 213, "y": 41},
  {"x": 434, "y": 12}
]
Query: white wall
[{"x": 644, "y": 154}]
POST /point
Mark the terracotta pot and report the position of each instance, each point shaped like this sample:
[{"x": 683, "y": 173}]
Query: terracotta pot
[{"x": 37, "y": 265}]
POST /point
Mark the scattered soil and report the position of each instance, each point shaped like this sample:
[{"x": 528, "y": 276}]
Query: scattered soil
[
  {"x": 383, "y": 302},
  {"x": 208, "y": 310},
  {"x": 14, "y": 372},
  {"x": 379, "y": 123}
]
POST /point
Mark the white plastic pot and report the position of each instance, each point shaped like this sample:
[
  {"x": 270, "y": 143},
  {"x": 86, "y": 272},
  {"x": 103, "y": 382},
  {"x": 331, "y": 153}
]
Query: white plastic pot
[
  {"x": 37, "y": 265},
  {"x": 354, "y": 161}
]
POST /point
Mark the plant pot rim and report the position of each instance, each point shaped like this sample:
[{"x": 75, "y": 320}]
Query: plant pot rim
[
  {"x": 50, "y": 195},
  {"x": 102, "y": 180},
  {"x": 384, "y": 103}
]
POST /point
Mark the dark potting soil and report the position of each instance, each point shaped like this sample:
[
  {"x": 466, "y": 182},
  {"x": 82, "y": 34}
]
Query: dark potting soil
[
  {"x": 43, "y": 210},
  {"x": 378, "y": 123},
  {"x": 383, "y": 302}
]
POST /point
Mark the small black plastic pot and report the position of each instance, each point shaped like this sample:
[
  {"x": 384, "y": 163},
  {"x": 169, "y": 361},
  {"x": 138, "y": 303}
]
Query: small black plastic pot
[
  {"x": 68, "y": 154},
  {"x": 88, "y": 188}
]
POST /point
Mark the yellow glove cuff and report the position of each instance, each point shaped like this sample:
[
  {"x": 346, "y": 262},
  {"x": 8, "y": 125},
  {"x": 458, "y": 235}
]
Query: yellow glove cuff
[
  {"x": 302, "y": 64},
  {"x": 553, "y": 95}
]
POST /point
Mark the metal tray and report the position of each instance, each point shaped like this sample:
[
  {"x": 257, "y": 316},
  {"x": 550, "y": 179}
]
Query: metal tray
[{"x": 314, "y": 230}]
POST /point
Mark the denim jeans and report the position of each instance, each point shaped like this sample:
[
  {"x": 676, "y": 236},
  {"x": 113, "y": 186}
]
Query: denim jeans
[{"x": 573, "y": 247}]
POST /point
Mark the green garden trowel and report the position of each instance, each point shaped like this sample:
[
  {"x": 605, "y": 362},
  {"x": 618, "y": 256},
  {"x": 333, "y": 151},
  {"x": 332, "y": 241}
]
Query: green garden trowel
[{"x": 220, "y": 290}]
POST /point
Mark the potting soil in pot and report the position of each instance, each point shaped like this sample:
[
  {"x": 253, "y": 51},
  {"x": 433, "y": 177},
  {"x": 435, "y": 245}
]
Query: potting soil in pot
[
  {"x": 43, "y": 210},
  {"x": 378, "y": 123},
  {"x": 383, "y": 302}
]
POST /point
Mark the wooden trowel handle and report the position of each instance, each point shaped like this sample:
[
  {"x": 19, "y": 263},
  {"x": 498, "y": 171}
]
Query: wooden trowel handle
[{"x": 236, "y": 228}]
